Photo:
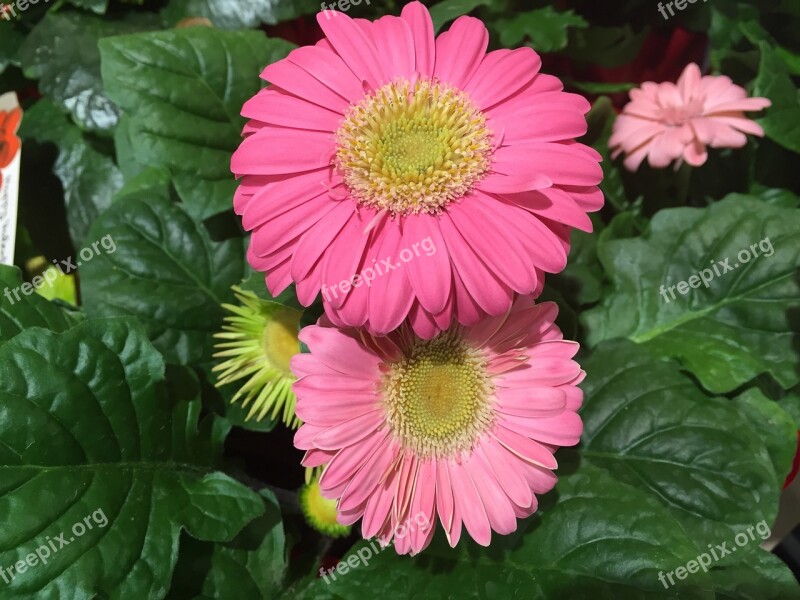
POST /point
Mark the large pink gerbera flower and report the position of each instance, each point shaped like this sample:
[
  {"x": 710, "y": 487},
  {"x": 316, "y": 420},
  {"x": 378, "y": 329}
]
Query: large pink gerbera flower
[
  {"x": 665, "y": 122},
  {"x": 463, "y": 426},
  {"x": 381, "y": 141}
]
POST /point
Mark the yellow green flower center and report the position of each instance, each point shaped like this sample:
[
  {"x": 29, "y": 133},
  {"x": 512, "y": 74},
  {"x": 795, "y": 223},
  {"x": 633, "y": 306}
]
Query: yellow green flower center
[
  {"x": 438, "y": 399},
  {"x": 280, "y": 338},
  {"x": 256, "y": 344},
  {"x": 410, "y": 148},
  {"x": 320, "y": 512}
]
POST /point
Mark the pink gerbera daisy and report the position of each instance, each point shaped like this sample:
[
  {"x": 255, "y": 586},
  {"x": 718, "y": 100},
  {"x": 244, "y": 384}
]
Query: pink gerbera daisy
[
  {"x": 463, "y": 426},
  {"x": 380, "y": 139},
  {"x": 665, "y": 122}
]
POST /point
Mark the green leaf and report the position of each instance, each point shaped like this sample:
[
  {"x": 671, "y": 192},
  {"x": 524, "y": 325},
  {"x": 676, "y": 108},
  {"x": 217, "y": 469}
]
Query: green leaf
[
  {"x": 10, "y": 41},
  {"x": 183, "y": 91},
  {"x": 231, "y": 14},
  {"x": 112, "y": 458},
  {"x": 447, "y": 10},
  {"x": 597, "y": 538},
  {"x": 651, "y": 427},
  {"x": 781, "y": 121},
  {"x": 166, "y": 271},
  {"x": 89, "y": 178},
  {"x": 545, "y": 29},
  {"x": 96, "y": 6},
  {"x": 791, "y": 404},
  {"x": 30, "y": 310},
  {"x": 582, "y": 279},
  {"x": 775, "y": 426},
  {"x": 250, "y": 566},
  {"x": 596, "y": 87},
  {"x": 151, "y": 181},
  {"x": 606, "y": 46},
  {"x": 756, "y": 576},
  {"x": 62, "y": 53},
  {"x": 729, "y": 332}
]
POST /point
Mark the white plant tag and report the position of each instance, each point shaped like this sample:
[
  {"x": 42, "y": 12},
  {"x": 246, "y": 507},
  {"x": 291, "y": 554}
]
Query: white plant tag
[{"x": 10, "y": 116}]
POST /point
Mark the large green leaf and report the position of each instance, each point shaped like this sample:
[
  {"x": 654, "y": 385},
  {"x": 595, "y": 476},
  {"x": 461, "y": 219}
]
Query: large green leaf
[
  {"x": 249, "y": 567},
  {"x": 782, "y": 120},
  {"x": 20, "y": 311},
  {"x": 97, "y": 448},
  {"x": 775, "y": 425},
  {"x": 602, "y": 540},
  {"x": 729, "y": 332},
  {"x": 89, "y": 177},
  {"x": 649, "y": 425},
  {"x": 545, "y": 29},
  {"x": 183, "y": 91},
  {"x": 62, "y": 53},
  {"x": 166, "y": 271},
  {"x": 447, "y": 10},
  {"x": 756, "y": 576}
]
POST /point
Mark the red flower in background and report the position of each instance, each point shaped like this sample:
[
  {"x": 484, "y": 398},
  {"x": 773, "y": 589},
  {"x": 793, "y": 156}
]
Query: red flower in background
[
  {"x": 795, "y": 467},
  {"x": 9, "y": 142},
  {"x": 663, "y": 56}
]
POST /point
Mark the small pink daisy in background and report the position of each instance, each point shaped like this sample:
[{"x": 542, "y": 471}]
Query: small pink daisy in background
[
  {"x": 382, "y": 136},
  {"x": 463, "y": 426},
  {"x": 666, "y": 122}
]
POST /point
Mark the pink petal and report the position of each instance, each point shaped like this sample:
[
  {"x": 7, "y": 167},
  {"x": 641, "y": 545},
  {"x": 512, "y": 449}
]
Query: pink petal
[
  {"x": 470, "y": 504},
  {"x": 329, "y": 68},
  {"x": 355, "y": 47},
  {"x": 521, "y": 446},
  {"x": 297, "y": 81},
  {"x": 280, "y": 197},
  {"x": 493, "y": 296},
  {"x": 283, "y": 151},
  {"x": 460, "y": 50},
  {"x": 419, "y": 19},
  {"x": 503, "y": 255},
  {"x": 365, "y": 482},
  {"x": 509, "y": 477},
  {"x": 495, "y": 502},
  {"x": 342, "y": 260},
  {"x": 279, "y": 108},
  {"x": 559, "y": 162},
  {"x": 340, "y": 352},
  {"x": 347, "y": 462},
  {"x": 498, "y": 78},
  {"x": 562, "y": 430},
  {"x": 395, "y": 43},
  {"x": 430, "y": 275},
  {"x": 532, "y": 402},
  {"x": 317, "y": 240},
  {"x": 390, "y": 297}
]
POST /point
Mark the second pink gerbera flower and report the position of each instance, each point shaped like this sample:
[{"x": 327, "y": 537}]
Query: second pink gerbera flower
[
  {"x": 381, "y": 138},
  {"x": 667, "y": 122},
  {"x": 463, "y": 426}
]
